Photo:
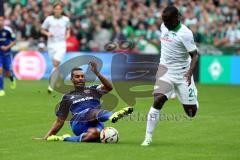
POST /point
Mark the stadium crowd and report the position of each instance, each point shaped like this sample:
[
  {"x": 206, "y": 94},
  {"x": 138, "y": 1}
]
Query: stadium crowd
[{"x": 97, "y": 22}]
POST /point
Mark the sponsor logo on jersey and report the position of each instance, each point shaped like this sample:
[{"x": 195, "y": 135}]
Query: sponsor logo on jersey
[
  {"x": 82, "y": 100},
  {"x": 166, "y": 38}
]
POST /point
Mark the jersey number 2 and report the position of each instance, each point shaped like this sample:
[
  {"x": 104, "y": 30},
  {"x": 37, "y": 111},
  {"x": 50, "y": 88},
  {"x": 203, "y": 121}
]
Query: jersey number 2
[{"x": 191, "y": 92}]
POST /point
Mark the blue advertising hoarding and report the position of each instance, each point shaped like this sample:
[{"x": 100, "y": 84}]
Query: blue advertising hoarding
[
  {"x": 235, "y": 70},
  {"x": 213, "y": 69},
  {"x": 105, "y": 57},
  {"x": 114, "y": 66}
]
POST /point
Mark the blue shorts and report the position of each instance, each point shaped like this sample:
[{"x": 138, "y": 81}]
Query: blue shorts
[
  {"x": 6, "y": 62},
  {"x": 79, "y": 126}
]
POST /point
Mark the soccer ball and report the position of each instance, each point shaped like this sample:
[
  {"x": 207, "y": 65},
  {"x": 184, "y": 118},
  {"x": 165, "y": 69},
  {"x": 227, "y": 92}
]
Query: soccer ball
[{"x": 109, "y": 135}]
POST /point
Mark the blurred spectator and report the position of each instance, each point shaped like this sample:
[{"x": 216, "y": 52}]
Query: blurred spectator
[
  {"x": 72, "y": 43},
  {"x": 197, "y": 36},
  {"x": 220, "y": 38},
  {"x": 96, "y": 22},
  {"x": 101, "y": 36},
  {"x": 233, "y": 34},
  {"x": 84, "y": 35}
]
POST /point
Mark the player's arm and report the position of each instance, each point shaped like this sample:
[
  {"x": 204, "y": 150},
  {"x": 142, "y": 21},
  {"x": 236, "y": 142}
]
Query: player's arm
[
  {"x": 57, "y": 125},
  {"x": 62, "y": 114},
  {"x": 7, "y": 47},
  {"x": 194, "y": 59},
  {"x": 68, "y": 29},
  {"x": 12, "y": 37},
  {"x": 46, "y": 33},
  {"x": 68, "y": 33},
  {"x": 13, "y": 43},
  {"x": 188, "y": 42},
  {"x": 44, "y": 28},
  {"x": 106, "y": 84}
]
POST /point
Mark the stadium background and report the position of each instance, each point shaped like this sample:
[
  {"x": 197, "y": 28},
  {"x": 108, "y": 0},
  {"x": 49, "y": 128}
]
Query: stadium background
[
  {"x": 28, "y": 110},
  {"x": 215, "y": 25}
]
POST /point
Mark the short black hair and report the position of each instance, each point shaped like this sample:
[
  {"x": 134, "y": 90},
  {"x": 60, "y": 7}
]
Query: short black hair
[
  {"x": 171, "y": 11},
  {"x": 75, "y": 69}
]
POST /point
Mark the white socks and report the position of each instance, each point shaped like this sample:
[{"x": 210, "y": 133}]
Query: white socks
[{"x": 153, "y": 117}]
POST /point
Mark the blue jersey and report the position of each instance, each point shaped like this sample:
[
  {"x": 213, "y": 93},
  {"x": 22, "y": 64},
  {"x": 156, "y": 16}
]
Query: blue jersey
[
  {"x": 6, "y": 37},
  {"x": 79, "y": 100}
]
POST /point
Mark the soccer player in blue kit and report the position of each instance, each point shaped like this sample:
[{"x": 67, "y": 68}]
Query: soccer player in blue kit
[
  {"x": 84, "y": 104},
  {"x": 7, "y": 41}
]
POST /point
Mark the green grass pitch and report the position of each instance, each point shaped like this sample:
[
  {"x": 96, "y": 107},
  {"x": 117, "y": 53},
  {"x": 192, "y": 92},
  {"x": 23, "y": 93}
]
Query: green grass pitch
[{"x": 213, "y": 135}]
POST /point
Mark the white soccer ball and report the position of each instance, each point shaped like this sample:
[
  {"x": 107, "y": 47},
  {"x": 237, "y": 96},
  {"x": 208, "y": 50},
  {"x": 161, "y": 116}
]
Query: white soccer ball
[{"x": 109, "y": 135}]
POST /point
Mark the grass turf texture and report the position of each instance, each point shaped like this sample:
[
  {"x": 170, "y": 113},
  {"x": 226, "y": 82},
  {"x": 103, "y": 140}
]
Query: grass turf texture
[{"x": 213, "y": 134}]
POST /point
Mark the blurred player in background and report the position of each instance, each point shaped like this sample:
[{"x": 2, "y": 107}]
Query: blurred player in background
[
  {"x": 84, "y": 104},
  {"x": 178, "y": 59},
  {"x": 57, "y": 28},
  {"x": 7, "y": 41}
]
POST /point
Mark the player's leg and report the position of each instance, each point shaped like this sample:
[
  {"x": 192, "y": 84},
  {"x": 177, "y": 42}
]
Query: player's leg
[
  {"x": 102, "y": 115},
  {"x": 85, "y": 131},
  {"x": 7, "y": 65},
  {"x": 89, "y": 115},
  {"x": 56, "y": 53},
  {"x": 2, "y": 92},
  {"x": 55, "y": 65},
  {"x": 190, "y": 110},
  {"x": 120, "y": 114},
  {"x": 162, "y": 91},
  {"x": 188, "y": 97},
  {"x": 92, "y": 135},
  {"x": 79, "y": 129},
  {"x": 153, "y": 116},
  {"x": 85, "y": 126}
]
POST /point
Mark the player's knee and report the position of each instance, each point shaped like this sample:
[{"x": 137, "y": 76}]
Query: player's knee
[
  {"x": 159, "y": 100},
  {"x": 191, "y": 110},
  {"x": 1, "y": 70}
]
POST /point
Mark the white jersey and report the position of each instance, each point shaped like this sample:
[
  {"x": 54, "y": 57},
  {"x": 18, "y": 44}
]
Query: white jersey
[
  {"x": 175, "y": 48},
  {"x": 56, "y": 26}
]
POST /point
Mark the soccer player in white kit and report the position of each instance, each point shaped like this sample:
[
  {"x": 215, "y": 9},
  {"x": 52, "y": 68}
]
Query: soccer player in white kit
[
  {"x": 57, "y": 28},
  {"x": 175, "y": 73}
]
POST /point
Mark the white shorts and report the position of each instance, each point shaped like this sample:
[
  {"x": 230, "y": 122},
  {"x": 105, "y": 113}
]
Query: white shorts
[
  {"x": 169, "y": 83},
  {"x": 57, "y": 51}
]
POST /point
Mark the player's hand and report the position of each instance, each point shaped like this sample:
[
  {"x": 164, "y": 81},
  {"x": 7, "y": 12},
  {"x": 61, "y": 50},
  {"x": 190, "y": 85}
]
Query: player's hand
[
  {"x": 188, "y": 76},
  {"x": 4, "y": 48},
  {"x": 93, "y": 65},
  {"x": 45, "y": 137}
]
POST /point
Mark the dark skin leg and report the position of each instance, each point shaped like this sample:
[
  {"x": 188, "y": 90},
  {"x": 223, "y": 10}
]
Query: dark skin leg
[
  {"x": 190, "y": 110},
  {"x": 92, "y": 117},
  {"x": 159, "y": 100},
  {"x": 92, "y": 135}
]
